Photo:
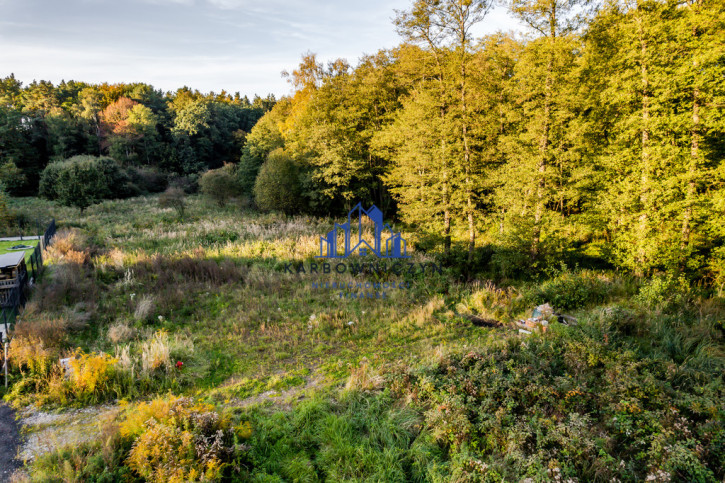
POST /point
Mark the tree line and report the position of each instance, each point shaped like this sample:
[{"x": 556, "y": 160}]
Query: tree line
[
  {"x": 601, "y": 132},
  {"x": 183, "y": 132}
]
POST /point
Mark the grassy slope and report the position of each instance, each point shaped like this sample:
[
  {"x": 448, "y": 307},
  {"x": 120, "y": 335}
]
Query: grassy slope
[
  {"x": 576, "y": 401},
  {"x": 269, "y": 323}
]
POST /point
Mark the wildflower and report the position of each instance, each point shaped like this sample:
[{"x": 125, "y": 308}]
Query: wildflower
[
  {"x": 350, "y": 323},
  {"x": 161, "y": 317},
  {"x": 179, "y": 364}
]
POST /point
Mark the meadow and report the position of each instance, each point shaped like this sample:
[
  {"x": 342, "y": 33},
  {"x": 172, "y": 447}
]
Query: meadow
[{"x": 225, "y": 366}]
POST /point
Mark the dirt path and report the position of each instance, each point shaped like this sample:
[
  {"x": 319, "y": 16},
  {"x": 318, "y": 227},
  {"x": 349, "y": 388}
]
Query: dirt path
[
  {"x": 46, "y": 431},
  {"x": 9, "y": 441}
]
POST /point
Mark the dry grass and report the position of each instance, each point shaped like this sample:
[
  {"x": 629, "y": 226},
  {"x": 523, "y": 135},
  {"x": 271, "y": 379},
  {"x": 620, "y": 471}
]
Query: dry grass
[
  {"x": 145, "y": 308},
  {"x": 68, "y": 246},
  {"x": 491, "y": 301},
  {"x": 364, "y": 378},
  {"x": 66, "y": 284},
  {"x": 165, "y": 270},
  {"x": 47, "y": 328},
  {"x": 156, "y": 353},
  {"x": 120, "y": 332}
]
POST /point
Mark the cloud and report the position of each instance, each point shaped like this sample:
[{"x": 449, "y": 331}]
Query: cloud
[
  {"x": 169, "y": 2},
  {"x": 236, "y": 45},
  {"x": 228, "y": 4},
  {"x": 206, "y": 73}
]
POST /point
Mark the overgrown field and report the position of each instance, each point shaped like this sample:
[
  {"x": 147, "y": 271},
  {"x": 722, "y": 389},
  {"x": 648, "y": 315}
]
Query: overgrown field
[{"x": 227, "y": 366}]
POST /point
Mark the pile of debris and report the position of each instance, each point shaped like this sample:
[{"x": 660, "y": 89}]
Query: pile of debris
[{"x": 541, "y": 318}]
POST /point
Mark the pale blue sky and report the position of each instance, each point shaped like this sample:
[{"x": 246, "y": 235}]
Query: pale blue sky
[{"x": 236, "y": 45}]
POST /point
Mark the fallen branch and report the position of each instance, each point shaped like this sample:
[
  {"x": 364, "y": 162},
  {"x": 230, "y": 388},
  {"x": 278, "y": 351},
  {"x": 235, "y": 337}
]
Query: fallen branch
[{"x": 480, "y": 321}]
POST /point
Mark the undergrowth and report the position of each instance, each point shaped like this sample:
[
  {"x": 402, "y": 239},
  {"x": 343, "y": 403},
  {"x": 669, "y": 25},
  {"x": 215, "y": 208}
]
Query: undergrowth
[{"x": 144, "y": 305}]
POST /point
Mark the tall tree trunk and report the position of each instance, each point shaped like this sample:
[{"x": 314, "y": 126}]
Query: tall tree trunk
[
  {"x": 446, "y": 216},
  {"x": 98, "y": 134},
  {"x": 691, "y": 172},
  {"x": 544, "y": 141},
  {"x": 467, "y": 156},
  {"x": 444, "y": 158},
  {"x": 694, "y": 160},
  {"x": 644, "y": 196}
]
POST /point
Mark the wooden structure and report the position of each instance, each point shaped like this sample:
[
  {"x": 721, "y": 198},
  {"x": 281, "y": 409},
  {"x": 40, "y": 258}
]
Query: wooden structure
[{"x": 13, "y": 273}]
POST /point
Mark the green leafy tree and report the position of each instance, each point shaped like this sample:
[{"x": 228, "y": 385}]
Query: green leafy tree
[
  {"x": 540, "y": 151},
  {"x": 334, "y": 133},
  {"x": 444, "y": 30},
  {"x": 11, "y": 177},
  {"x": 278, "y": 187},
  {"x": 657, "y": 82},
  {"x": 82, "y": 181},
  {"x": 265, "y": 137},
  {"x": 219, "y": 184}
]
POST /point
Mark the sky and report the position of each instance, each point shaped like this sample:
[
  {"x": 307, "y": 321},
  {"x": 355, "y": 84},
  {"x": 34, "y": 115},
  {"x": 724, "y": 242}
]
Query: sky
[{"x": 209, "y": 45}]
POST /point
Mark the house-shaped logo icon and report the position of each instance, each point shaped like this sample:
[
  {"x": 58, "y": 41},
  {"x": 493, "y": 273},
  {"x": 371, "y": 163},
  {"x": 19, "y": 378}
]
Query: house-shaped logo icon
[{"x": 349, "y": 238}]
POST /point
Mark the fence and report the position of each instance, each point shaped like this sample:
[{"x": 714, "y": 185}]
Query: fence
[
  {"x": 14, "y": 297},
  {"x": 36, "y": 259}
]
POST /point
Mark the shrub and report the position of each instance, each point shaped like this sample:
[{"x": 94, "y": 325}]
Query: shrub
[
  {"x": 68, "y": 246},
  {"x": 90, "y": 378},
  {"x": 6, "y": 217},
  {"x": 174, "y": 198},
  {"x": 83, "y": 180},
  {"x": 662, "y": 292},
  {"x": 219, "y": 185},
  {"x": 569, "y": 406},
  {"x": 49, "y": 181},
  {"x": 50, "y": 330},
  {"x": 32, "y": 355},
  {"x": 12, "y": 178},
  {"x": 178, "y": 440},
  {"x": 171, "y": 439},
  {"x": 574, "y": 289},
  {"x": 278, "y": 184},
  {"x": 91, "y": 375},
  {"x": 98, "y": 460},
  {"x": 264, "y": 138},
  {"x": 68, "y": 284}
]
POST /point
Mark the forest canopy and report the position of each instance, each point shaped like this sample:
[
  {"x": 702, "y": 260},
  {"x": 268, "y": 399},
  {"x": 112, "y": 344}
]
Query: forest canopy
[
  {"x": 184, "y": 132},
  {"x": 599, "y": 135}
]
